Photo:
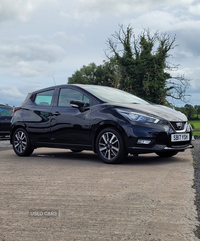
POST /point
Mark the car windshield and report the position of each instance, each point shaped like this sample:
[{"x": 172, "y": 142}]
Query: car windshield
[{"x": 109, "y": 94}]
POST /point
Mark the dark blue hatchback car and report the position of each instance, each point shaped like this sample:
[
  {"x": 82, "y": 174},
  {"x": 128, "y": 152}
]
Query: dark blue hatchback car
[{"x": 108, "y": 121}]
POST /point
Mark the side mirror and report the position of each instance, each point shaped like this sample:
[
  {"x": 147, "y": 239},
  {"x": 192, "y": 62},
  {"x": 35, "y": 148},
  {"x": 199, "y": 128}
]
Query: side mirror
[{"x": 77, "y": 103}]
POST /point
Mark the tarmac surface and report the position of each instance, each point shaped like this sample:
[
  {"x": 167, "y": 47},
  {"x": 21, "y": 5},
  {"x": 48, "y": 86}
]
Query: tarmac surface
[
  {"x": 58, "y": 195},
  {"x": 196, "y": 158}
]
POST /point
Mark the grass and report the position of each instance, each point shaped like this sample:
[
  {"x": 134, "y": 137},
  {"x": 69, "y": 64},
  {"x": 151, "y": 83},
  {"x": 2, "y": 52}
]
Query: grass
[
  {"x": 196, "y": 127},
  {"x": 195, "y": 123},
  {"x": 196, "y": 133}
]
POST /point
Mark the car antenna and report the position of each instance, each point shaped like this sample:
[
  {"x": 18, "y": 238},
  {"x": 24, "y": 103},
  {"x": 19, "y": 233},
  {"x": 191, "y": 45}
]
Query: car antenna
[{"x": 54, "y": 80}]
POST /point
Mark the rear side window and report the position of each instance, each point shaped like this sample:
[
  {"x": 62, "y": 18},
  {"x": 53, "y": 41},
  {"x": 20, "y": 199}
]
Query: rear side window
[
  {"x": 44, "y": 98},
  {"x": 6, "y": 111}
]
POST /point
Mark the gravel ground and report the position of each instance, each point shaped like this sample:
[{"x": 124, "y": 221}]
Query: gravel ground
[
  {"x": 196, "y": 158},
  {"x": 5, "y": 145}
]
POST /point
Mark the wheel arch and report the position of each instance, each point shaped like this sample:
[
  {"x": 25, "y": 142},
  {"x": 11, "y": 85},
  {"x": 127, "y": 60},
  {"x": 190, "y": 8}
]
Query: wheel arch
[{"x": 14, "y": 128}]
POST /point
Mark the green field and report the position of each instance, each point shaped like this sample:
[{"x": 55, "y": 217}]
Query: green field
[{"x": 196, "y": 127}]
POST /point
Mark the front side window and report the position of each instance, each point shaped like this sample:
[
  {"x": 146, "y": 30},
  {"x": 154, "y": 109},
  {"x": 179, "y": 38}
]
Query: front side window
[
  {"x": 44, "y": 98},
  {"x": 66, "y": 95}
]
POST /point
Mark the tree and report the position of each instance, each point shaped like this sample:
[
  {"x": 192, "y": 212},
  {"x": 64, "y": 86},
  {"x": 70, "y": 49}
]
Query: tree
[
  {"x": 197, "y": 108},
  {"x": 105, "y": 74},
  {"x": 143, "y": 66},
  {"x": 189, "y": 111}
]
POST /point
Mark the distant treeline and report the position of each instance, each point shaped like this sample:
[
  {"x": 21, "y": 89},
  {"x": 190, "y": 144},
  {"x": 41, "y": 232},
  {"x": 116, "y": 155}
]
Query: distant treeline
[{"x": 192, "y": 112}]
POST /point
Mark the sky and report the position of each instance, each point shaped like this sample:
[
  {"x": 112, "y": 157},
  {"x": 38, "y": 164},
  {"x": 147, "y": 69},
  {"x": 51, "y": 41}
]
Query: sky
[{"x": 43, "y": 42}]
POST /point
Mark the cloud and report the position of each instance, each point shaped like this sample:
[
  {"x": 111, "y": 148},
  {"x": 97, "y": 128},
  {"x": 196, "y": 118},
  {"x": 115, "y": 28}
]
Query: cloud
[
  {"x": 164, "y": 21},
  {"x": 63, "y": 38},
  {"x": 29, "y": 55},
  {"x": 195, "y": 9},
  {"x": 30, "y": 48},
  {"x": 127, "y": 6},
  {"x": 90, "y": 11},
  {"x": 10, "y": 94},
  {"x": 11, "y": 9},
  {"x": 185, "y": 28}
]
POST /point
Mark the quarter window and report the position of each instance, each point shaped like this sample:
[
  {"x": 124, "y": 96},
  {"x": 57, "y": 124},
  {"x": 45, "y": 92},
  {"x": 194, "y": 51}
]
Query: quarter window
[
  {"x": 44, "y": 98},
  {"x": 66, "y": 95}
]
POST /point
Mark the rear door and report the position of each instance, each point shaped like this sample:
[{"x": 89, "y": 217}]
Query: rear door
[
  {"x": 69, "y": 126},
  {"x": 37, "y": 116}
]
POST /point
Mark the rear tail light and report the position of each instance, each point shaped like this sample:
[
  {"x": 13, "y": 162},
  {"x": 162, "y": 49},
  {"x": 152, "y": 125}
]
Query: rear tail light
[{"x": 15, "y": 108}]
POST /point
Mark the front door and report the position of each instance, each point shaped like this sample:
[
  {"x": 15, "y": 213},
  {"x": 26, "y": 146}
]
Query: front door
[{"x": 69, "y": 126}]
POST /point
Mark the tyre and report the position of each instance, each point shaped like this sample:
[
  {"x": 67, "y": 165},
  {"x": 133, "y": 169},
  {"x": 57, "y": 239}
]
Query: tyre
[
  {"x": 110, "y": 146},
  {"x": 21, "y": 143},
  {"x": 167, "y": 154}
]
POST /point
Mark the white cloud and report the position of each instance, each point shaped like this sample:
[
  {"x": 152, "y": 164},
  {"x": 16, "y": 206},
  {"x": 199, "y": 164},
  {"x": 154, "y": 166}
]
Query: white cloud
[
  {"x": 185, "y": 28},
  {"x": 11, "y": 9},
  {"x": 164, "y": 21},
  {"x": 10, "y": 94},
  {"x": 64, "y": 38},
  {"x": 127, "y": 6},
  {"x": 29, "y": 55},
  {"x": 195, "y": 9}
]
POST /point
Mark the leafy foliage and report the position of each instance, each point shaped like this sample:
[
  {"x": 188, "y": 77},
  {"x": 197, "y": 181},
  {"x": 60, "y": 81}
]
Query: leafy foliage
[
  {"x": 105, "y": 74},
  {"x": 191, "y": 112},
  {"x": 143, "y": 65},
  {"x": 137, "y": 65}
]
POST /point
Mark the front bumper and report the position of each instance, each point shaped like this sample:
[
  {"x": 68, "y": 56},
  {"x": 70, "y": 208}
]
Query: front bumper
[
  {"x": 156, "y": 148},
  {"x": 148, "y": 139}
]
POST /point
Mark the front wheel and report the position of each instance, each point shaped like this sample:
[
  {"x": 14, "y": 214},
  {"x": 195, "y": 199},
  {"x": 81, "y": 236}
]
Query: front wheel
[
  {"x": 167, "y": 154},
  {"x": 21, "y": 143},
  {"x": 110, "y": 146}
]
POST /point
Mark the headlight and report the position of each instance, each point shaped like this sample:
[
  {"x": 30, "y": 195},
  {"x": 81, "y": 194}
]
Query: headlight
[{"x": 134, "y": 116}]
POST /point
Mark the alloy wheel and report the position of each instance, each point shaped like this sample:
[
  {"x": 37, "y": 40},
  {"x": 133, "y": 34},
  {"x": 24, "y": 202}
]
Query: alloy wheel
[
  {"x": 109, "y": 145},
  {"x": 20, "y": 141}
]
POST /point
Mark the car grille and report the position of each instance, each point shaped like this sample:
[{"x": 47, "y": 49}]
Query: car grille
[{"x": 179, "y": 126}]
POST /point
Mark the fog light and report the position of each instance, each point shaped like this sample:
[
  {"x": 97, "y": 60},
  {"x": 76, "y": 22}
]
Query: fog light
[{"x": 144, "y": 142}]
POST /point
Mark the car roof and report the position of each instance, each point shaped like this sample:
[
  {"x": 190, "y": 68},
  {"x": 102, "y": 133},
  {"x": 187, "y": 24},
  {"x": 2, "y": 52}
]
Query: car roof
[
  {"x": 3, "y": 105},
  {"x": 51, "y": 87},
  {"x": 64, "y": 85}
]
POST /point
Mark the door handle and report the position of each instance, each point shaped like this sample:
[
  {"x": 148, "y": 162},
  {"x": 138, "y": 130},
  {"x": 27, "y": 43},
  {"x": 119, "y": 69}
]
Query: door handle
[{"x": 56, "y": 113}]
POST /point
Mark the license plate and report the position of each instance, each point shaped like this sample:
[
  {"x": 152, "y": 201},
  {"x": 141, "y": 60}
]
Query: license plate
[{"x": 180, "y": 137}]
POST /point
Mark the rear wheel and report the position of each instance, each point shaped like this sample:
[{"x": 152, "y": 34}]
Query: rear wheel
[
  {"x": 110, "y": 146},
  {"x": 167, "y": 154},
  {"x": 21, "y": 143}
]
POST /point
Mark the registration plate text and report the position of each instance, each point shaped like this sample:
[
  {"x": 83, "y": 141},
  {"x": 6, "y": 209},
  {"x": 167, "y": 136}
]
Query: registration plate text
[{"x": 180, "y": 137}]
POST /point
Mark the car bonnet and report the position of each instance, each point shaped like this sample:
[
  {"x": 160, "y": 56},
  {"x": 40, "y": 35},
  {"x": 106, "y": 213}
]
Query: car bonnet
[{"x": 160, "y": 111}]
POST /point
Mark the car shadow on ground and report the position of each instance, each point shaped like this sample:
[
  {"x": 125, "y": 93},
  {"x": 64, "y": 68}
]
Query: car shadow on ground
[{"x": 90, "y": 157}]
